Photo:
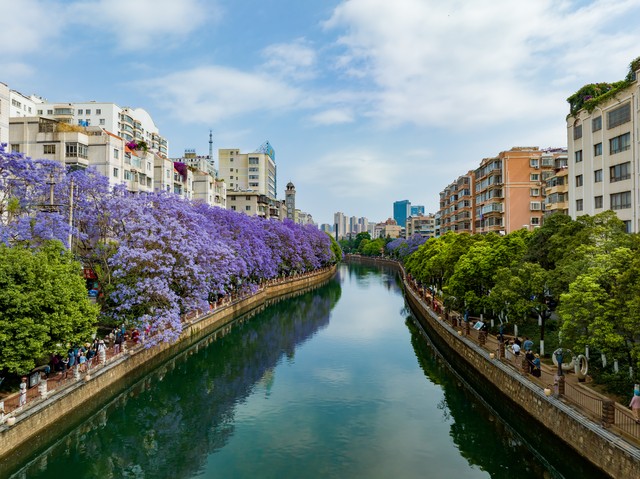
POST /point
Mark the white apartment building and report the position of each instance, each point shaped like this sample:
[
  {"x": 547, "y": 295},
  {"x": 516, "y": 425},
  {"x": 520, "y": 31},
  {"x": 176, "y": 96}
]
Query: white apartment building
[
  {"x": 205, "y": 184},
  {"x": 4, "y": 113},
  {"x": 80, "y": 147},
  {"x": 249, "y": 172},
  {"x": 128, "y": 123},
  {"x": 252, "y": 203},
  {"x": 604, "y": 158},
  {"x": 340, "y": 225}
]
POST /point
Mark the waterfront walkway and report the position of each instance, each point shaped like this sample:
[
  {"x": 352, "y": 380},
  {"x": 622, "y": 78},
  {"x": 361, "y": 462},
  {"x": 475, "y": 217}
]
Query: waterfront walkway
[{"x": 599, "y": 408}]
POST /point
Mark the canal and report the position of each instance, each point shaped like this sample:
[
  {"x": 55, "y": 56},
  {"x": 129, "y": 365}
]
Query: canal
[{"x": 339, "y": 382}]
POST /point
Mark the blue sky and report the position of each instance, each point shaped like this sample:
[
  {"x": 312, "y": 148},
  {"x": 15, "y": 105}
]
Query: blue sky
[{"x": 365, "y": 101}]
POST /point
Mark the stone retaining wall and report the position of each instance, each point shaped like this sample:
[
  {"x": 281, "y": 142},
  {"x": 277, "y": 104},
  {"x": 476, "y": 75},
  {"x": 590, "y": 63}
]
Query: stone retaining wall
[
  {"x": 605, "y": 450},
  {"x": 31, "y": 425}
]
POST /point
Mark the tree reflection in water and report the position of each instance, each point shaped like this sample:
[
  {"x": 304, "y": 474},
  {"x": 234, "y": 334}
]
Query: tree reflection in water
[{"x": 168, "y": 423}]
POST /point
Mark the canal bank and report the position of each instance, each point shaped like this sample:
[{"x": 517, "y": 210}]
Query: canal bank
[
  {"x": 61, "y": 409},
  {"x": 607, "y": 451}
]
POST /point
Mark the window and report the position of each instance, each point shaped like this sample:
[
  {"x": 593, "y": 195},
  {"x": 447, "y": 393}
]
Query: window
[
  {"x": 88, "y": 112},
  {"x": 233, "y": 198},
  {"x": 579, "y": 180},
  {"x": 620, "y": 172},
  {"x": 49, "y": 149},
  {"x": 247, "y": 208},
  {"x": 15, "y": 148},
  {"x": 534, "y": 192},
  {"x": 619, "y": 143},
  {"x": 579, "y": 205},
  {"x": 535, "y": 206},
  {"x": 578, "y": 156},
  {"x": 620, "y": 115},
  {"x": 597, "y": 149},
  {"x": 39, "y": 112},
  {"x": 98, "y": 111},
  {"x": 534, "y": 163},
  {"x": 128, "y": 175},
  {"x": 596, "y": 124},
  {"x": 49, "y": 112},
  {"x": 253, "y": 160},
  {"x": 577, "y": 132},
  {"x": 247, "y": 197},
  {"x": 102, "y": 121},
  {"x": 534, "y": 177},
  {"x": 79, "y": 112},
  {"x": 255, "y": 185},
  {"x": 233, "y": 207},
  {"x": 76, "y": 150},
  {"x": 621, "y": 201},
  {"x": 115, "y": 172},
  {"x": 627, "y": 226},
  {"x": 116, "y": 153},
  {"x": 597, "y": 202},
  {"x": 535, "y": 221},
  {"x": 597, "y": 176}
]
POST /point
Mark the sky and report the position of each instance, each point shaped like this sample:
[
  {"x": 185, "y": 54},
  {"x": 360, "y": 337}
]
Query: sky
[{"x": 365, "y": 102}]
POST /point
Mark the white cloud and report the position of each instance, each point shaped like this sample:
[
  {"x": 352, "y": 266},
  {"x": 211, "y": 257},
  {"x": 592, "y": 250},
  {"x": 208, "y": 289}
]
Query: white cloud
[
  {"x": 212, "y": 94},
  {"x": 350, "y": 174},
  {"x": 294, "y": 60},
  {"x": 28, "y": 26},
  {"x": 143, "y": 24},
  {"x": 332, "y": 117},
  {"x": 462, "y": 63}
]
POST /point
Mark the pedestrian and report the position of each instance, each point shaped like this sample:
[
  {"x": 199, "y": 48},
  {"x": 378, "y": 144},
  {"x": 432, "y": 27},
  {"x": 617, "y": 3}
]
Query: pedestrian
[
  {"x": 65, "y": 366},
  {"x": 528, "y": 344},
  {"x": 536, "y": 366},
  {"x": 116, "y": 346},
  {"x": 102, "y": 352},
  {"x": 515, "y": 347},
  {"x": 23, "y": 391},
  {"x": 634, "y": 405},
  {"x": 530, "y": 357},
  {"x": 82, "y": 361}
]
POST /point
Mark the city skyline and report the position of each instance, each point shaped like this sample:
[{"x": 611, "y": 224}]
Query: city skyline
[{"x": 365, "y": 102}]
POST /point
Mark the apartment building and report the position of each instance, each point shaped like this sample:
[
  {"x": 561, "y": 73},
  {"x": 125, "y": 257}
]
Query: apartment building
[
  {"x": 509, "y": 191},
  {"x": 557, "y": 186},
  {"x": 80, "y": 147},
  {"x": 456, "y": 206},
  {"x": 4, "y": 113},
  {"x": 249, "y": 172},
  {"x": 131, "y": 124},
  {"x": 424, "y": 225},
  {"x": 603, "y": 153},
  {"x": 253, "y": 203}
]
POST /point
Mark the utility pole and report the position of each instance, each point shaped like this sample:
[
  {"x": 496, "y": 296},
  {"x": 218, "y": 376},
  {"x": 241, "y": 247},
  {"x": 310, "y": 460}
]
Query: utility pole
[{"x": 70, "y": 213}]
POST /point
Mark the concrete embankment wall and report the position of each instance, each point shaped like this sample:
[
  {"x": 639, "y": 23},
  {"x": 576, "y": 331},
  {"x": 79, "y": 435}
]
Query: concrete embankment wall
[
  {"x": 39, "y": 422},
  {"x": 613, "y": 455}
]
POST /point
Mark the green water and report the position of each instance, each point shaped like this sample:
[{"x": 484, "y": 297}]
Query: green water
[{"x": 336, "y": 383}]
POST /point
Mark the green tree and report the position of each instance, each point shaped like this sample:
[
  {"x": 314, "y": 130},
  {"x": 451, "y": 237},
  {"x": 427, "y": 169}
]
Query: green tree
[
  {"x": 359, "y": 238},
  {"x": 335, "y": 249},
  {"x": 43, "y": 305}
]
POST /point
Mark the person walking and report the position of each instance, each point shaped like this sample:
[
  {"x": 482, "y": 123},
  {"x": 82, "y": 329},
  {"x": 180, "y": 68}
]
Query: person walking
[
  {"x": 634, "y": 405},
  {"x": 528, "y": 344},
  {"x": 23, "y": 392}
]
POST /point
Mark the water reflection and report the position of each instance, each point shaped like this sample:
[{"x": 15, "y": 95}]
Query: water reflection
[{"x": 171, "y": 421}]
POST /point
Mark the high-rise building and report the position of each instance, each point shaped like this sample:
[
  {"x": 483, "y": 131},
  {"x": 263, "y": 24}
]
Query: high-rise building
[
  {"x": 249, "y": 172},
  {"x": 603, "y": 152},
  {"x": 421, "y": 225},
  {"x": 401, "y": 211},
  {"x": 340, "y": 225}
]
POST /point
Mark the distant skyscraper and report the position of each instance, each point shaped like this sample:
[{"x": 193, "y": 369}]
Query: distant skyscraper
[
  {"x": 339, "y": 225},
  {"x": 417, "y": 210},
  {"x": 401, "y": 211}
]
